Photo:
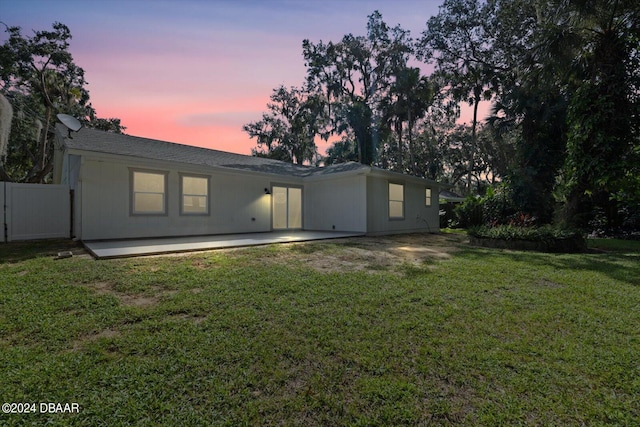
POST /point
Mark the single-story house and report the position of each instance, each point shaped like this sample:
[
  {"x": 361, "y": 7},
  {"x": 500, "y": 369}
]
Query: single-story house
[{"x": 131, "y": 187}]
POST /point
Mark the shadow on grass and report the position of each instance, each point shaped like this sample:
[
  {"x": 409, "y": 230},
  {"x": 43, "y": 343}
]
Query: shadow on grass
[
  {"x": 614, "y": 245},
  {"x": 21, "y": 251},
  {"x": 624, "y": 267}
]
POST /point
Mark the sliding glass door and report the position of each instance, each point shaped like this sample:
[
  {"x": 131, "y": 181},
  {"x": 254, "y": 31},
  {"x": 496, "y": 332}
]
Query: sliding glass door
[{"x": 287, "y": 208}]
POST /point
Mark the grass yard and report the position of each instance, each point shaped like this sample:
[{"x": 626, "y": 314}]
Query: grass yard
[{"x": 393, "y": 331}]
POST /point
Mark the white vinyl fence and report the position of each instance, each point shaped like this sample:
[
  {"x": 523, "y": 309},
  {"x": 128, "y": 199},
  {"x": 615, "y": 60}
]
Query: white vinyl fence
[{"x": 35, "y": 211}]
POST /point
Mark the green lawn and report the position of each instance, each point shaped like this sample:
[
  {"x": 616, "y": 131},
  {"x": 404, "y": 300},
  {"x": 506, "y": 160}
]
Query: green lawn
[{"x": 297, "y": 335}]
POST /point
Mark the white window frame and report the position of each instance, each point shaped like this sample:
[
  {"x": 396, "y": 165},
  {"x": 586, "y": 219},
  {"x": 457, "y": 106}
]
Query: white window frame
[
  {"x": 183, "y": 195},
  {"x": 132, "y": 192},
  {"x": 428, "y": 193},
  {"x": 391, "y": 201}
]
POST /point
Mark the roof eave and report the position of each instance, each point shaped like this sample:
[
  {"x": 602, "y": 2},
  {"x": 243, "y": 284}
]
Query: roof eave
[{"x": 397, "y": 175}]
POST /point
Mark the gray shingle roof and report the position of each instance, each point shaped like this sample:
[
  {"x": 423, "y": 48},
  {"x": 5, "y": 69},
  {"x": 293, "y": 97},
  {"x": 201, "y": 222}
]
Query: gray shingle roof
[{"x": 126, "y": 145}]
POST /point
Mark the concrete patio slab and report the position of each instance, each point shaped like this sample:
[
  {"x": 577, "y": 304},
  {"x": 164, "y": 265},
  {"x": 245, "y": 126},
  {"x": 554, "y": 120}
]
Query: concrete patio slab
[{"x": 139, "y": 247}]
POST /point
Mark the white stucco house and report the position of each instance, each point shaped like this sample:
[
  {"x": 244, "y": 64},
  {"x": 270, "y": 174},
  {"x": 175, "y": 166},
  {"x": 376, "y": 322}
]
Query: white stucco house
[{"x": 131, "y": 187}]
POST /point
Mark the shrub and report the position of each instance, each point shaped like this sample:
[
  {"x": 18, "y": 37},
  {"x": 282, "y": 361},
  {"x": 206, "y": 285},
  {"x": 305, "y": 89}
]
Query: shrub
[
  {"x": 448, "y": 217},
  {"x": 498, "y": 207},
  {"x": 511, "y": 232},
  {"x": 495, "y": 208},
  {"x": 469, "y": 212},
  {"x": 546, "y": 238}
]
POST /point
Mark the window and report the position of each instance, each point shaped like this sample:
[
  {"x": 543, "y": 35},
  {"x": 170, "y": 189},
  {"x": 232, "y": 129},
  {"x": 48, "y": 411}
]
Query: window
[
  {"x": 396, "y": 201},
  {"x": 427, "y": 197},
  {"x": 148, "y": 193},
  {"x": 195, "y": 195}
]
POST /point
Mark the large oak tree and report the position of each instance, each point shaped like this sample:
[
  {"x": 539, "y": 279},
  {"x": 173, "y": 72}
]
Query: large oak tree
[{"x": 39, "y": 77}]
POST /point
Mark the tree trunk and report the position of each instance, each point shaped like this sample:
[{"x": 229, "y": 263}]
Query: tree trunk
[
  {"x": 39, "y": 176},
  {"x": 398, "y": 127},
  {"x": 573, "y": 209},
  {"x": 412, "y": 157},
  {"x": 45, "y": 138},
  {"x": 474, "y": 124},
  {"x": 3, "y": 175}
]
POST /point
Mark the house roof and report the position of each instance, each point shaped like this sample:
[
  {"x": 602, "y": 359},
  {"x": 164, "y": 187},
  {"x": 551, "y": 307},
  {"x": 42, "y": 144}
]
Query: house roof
[
  {"x": 125, "y": 145},
  {"x": 98, "y": 141},
  {"x": 450, "y": 196}
]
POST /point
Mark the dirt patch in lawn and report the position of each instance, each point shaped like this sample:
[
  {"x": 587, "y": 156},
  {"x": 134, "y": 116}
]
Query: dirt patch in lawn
[
  {"x": 79, "y": 343},
  {"x": 194, "y": 318},
  {"x": 376, "y": 253},
  {"x": 133, "y": 300},
  {"x": 366, "y": 253}
]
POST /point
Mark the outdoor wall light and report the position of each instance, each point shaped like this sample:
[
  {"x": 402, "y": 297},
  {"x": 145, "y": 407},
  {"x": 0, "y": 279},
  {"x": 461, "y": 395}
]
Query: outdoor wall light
[{"x": 266, "y": 191}]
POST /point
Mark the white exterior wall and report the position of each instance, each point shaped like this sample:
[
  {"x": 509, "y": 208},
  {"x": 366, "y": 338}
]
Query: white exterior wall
[
  {"x": 336, "y": 204},
  {"x": 238, "y": 203},
  {"x": 417, "y": 216}
]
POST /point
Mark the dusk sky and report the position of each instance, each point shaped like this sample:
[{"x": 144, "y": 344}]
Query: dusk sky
[{"x": 195, "y": 71}]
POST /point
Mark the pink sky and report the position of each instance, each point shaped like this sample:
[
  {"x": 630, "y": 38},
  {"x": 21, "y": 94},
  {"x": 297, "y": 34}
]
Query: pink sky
[{"x": 195, "y": 71}]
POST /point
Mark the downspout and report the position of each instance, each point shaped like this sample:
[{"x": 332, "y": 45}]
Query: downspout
[{"x": 71, "y": 207}]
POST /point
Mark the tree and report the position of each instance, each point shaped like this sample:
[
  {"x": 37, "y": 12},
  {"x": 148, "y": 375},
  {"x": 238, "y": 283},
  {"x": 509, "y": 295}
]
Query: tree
[
  {"x": 603, "y": 113},
  {"x": 409, "y": 97},
  {"x": 530, "y": 99},
  {"x": 428, "y": 153},
  {"x": 567, "y": 90},
  {"x": 497, "y": 148},
  {"x": 38, "y": 75},
  {"x": 289, "y": 129},
  {"x": 353, "y": 75},
  {"x": 341, "y": 151},
  {"x": 459, "y": 41}
]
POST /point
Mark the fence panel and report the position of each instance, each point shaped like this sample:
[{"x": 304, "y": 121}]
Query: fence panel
[
  {"x": 3, "y": 219},
  {"x": 36, "y": 211}
]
